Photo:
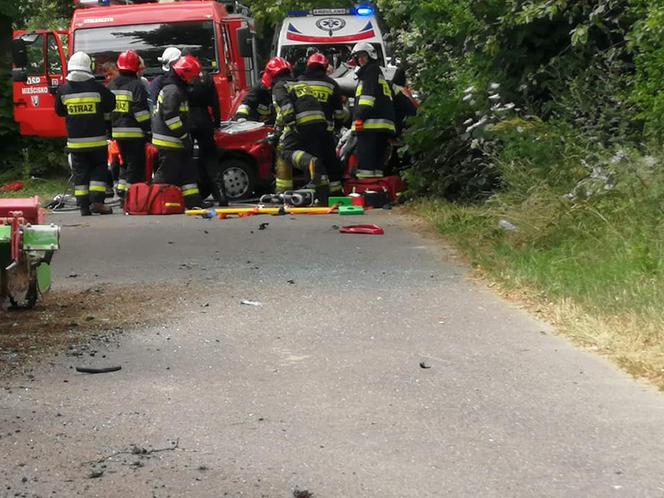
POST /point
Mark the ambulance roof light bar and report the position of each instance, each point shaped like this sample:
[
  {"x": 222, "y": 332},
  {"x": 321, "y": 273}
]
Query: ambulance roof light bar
[{"x": 360, "y": 10}]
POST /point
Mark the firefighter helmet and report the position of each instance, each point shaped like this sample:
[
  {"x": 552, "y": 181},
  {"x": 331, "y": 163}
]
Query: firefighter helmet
[
  {"x": 80, "y": 61},
  {"x": 129, "y": 61},
  {"x": 187, "y": 68},
  {"x": 170, "y": 55},
  {"x": 275, "y": 67},
  {"x": 317, "y": 60},
  {"x": 366, "y": 47}
]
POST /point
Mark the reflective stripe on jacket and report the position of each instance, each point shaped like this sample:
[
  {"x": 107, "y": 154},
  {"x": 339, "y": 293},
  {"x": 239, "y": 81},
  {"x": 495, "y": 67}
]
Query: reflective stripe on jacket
[
  {"x": 296, "y": 104},
  {"x": 257, "y": 105},
  {"x": 85, "y": 105},
  {"x": 170, "y": 119},
  {"x": 374, "y": 100},
  {"x": 326, "y": 90},
  {"x": 130, "y": 118}
]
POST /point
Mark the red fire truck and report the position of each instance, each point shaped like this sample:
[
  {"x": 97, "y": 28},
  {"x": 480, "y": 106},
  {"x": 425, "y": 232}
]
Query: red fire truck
[{"x": 220, "y": 36}]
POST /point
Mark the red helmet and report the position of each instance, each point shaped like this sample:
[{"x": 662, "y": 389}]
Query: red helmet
[
  {"x": 317, "y": 60},
  {"x": 129, "y": 61},
  {"x": 274, "y": 67},
  {"x": 187, "y": 68}
]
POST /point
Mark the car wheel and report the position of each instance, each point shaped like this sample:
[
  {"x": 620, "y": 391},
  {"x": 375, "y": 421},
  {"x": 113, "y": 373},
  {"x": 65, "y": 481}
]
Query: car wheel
[{"x": 239, "y": 178}]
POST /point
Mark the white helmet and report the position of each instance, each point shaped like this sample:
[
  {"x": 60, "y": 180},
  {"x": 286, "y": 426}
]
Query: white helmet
[
  {"x": 80, "y": 61},
  {"x": 170, "y": 55},
  {"x": 365, "y": 47}
]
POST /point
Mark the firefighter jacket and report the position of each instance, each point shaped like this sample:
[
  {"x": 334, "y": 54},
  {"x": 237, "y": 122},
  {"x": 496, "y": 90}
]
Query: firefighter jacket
[
  {"x": 296, "y": 104},
  {"x": 170, "y": 119},
  {"x": 373, "y": 100},
  {"x": 155, "y": 87},
  {"x": 86, "y": 107},
  {"x": 203, "y": 99},
  {"x": 403, "y": 108},
  {"x": 326, "y": 90},
  {"x": 257, "y": 105},
  {"x": 131, "y": 118}
]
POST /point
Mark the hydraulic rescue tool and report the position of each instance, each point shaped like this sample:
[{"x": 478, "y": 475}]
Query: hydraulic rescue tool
[{"x": 26, "y": 248}]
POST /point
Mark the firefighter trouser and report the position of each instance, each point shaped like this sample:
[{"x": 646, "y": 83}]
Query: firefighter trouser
[
  {"x": 176, "y": 168},
  {"x": 371, "y": 150},
  {"x": 332, "y": 164},
  {"x": 132, "y": 169},
  {"x": 89, "y": 172},
  {"x": 304, "y": 150},
  {"x": 209, "y": 169}
]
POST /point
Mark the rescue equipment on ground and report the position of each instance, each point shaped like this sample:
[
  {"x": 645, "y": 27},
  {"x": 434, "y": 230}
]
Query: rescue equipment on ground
[
  {"x": 392, "y": 184},
  {"x": 340, "y": 201},
  {"x": 376, "y": 198},
  {"x": 351, "y": 210},
  {"x": 26, "y": 248},
  {"x": 223, "y": 213},
  {"x": 155, "y": 199}
]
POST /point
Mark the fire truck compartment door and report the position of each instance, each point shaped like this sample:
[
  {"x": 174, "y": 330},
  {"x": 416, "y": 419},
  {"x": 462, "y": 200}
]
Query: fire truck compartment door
[{"x": 39, "y": 67}]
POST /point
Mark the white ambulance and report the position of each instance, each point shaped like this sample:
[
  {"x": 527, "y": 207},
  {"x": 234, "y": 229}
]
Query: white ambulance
[{"x": 332, "y": 32}]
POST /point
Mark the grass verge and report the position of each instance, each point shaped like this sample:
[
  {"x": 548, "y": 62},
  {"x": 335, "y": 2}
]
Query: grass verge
[
  {"x": 593, "y": 269},
  {"x": 45, "y": 188}
]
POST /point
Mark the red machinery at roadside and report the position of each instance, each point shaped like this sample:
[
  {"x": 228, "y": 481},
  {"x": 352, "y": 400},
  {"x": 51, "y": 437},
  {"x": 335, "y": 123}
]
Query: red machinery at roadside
[
  {"x": 27, "y": 245},
  {"x": 221, "y": 38}
]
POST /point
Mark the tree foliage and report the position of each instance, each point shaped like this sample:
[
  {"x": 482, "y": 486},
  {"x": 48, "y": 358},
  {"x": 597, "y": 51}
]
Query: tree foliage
[{"x": 594, "y": 65}]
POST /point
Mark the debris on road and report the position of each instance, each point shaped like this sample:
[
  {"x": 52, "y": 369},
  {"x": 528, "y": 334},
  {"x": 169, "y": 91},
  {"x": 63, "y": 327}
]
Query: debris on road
[
  {"x": 72, "y": 275},
  {"x": 95, "y": 474},
  {"x": 424, "y": 364},
  {"x": 251, "y": 303},
  {"x": 363, "y": 229},
  {"x": 263, "y": 226},
  {"x": 138, "y": 450},
  {"x": 92, "y": 370},
  {"x": 302, "y": 493}
]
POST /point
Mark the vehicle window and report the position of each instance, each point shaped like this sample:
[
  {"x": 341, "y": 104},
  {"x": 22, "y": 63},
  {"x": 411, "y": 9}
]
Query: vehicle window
[
  {"x": 35, "y": 53},
  {"x": 64, "y": 39},
  {"x": 53, "y": 57},
  {"x": 149, "y": 40},
  {"x": 227, "y": 43},
  {"x": 337, "y": 54}
]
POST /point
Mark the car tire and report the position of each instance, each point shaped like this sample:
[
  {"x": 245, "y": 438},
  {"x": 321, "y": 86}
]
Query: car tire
[{"x": 239, "y": 178}]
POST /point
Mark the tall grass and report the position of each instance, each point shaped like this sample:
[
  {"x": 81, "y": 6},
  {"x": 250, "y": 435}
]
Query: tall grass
[{"x": 589, "y": 249}]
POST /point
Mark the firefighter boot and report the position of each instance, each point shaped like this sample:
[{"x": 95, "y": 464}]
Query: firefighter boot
[
  {"x": 322, "y": 194},
  {"x": 100, "y": 208},
  {"x": 84, "y": 206}
]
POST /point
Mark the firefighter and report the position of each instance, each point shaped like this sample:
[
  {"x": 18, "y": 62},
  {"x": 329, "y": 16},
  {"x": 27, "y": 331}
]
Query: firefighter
[
  {"x": 168, "y": 57},
  {"x": 404, "y": 107},
  {"x": 257, "y": 105},
  {"x": 304, "y": 129},
  {"x": 373, "y": 112},
  {"x": 326, "y": 90},
  {"x": 86, "y": 106},
  {"x": 171, "y": 130},
  {"x": 205, "y": 116},
  {"x": 130, "y": 120}
]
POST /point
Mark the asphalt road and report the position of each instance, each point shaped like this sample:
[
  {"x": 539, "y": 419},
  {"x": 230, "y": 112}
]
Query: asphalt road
[{"x": 318, "y": 391}]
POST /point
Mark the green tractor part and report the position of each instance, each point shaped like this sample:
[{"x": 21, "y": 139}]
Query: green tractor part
[{"x": 26, "y": 251}]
